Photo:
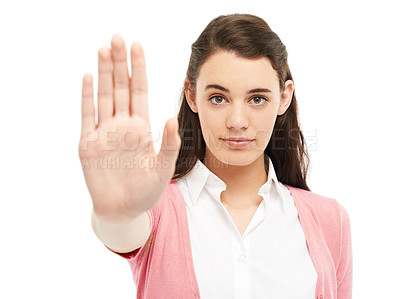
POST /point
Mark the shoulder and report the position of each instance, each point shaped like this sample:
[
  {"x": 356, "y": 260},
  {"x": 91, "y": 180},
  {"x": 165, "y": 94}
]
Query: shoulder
[
  {"x": 319, "y": 204},
  {"x": 327, "y": 216},
  {"x": 328, "y": 212},
  {"x": 171, "y": 192},
  {"x": 171, "y": 201}
]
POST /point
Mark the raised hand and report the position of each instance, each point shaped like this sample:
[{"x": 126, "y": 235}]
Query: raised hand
[{"x": 124, "y": 175}]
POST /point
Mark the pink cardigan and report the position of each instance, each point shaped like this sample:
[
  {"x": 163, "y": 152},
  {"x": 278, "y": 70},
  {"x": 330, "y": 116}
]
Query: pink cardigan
[{"x": 163, "y": 267}]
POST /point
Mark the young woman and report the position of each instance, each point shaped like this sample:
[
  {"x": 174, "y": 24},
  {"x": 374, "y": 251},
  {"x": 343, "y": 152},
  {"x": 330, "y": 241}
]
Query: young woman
[{"x": 223, "y": 210}]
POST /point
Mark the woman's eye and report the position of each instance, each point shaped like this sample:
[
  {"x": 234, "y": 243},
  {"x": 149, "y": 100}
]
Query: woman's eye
[
  {"x": 218, "y": 100},
  {"x": 259, "y": 100}
]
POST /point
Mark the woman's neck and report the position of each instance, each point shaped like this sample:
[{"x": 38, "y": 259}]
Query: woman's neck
[{"x": 242, "y": 182}]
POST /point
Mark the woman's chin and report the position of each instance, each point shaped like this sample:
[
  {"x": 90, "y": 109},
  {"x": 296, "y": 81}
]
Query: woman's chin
[
  {"x": 235, "y": 159},
  {"x": 224, "y": 157}
]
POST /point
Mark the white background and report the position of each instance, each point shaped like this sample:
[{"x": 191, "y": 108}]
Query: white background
[{"x": 344, "y": 58}]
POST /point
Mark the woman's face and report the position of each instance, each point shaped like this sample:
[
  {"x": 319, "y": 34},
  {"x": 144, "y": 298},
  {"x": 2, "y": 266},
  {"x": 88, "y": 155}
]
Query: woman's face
[{"x": 237, "y": 98}]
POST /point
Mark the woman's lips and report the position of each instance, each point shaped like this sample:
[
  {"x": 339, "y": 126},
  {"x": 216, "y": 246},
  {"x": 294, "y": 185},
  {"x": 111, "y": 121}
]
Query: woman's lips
[{"x": 237, "y": 143}]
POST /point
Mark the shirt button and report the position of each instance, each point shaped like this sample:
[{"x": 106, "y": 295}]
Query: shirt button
[{"x": 241, "y": 258}]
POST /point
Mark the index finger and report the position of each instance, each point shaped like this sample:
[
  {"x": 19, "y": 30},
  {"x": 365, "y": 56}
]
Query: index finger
[{"x": 139, "y": 88}]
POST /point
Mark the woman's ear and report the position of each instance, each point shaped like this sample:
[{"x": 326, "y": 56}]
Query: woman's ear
[
  {"x": 286, "y": 97},
  {"x": 190, "y": 96}
]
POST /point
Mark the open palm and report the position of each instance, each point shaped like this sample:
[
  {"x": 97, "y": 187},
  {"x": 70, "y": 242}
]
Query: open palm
[{"x": 124, "y": 175}]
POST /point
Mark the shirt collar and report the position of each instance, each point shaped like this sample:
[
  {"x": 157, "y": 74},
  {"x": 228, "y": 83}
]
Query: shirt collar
[{"x": 201, "y": 177}]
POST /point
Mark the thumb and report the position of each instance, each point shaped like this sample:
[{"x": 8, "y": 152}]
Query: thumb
[{"x": 169, "y": 150}]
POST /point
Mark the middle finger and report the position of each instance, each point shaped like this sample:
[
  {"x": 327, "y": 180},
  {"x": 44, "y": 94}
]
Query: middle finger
[{"x": 121, "y": 75}]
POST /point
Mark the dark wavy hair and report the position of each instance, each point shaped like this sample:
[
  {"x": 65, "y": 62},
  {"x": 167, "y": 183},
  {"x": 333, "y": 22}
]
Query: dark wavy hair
[{"x": 247, "y": 36}]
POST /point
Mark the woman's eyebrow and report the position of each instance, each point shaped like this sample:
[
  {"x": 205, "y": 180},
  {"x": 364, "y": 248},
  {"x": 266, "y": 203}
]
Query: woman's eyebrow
[{"x": 216, "y": 86}]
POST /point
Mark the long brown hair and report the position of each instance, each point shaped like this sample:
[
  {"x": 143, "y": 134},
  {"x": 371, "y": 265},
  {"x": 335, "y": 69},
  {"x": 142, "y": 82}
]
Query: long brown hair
[{"x": 248, "y": 36}]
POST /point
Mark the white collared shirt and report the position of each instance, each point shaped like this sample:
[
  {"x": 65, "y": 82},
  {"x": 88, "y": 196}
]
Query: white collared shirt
[{"x": 270, "y": 260}]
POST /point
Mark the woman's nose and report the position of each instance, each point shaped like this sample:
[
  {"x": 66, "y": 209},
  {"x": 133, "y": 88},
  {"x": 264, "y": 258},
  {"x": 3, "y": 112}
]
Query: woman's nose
[{"x": 237, "y": 118}]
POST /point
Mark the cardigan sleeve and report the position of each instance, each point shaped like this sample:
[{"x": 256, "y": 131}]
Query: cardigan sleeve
[{"x": 344, "y": 273}]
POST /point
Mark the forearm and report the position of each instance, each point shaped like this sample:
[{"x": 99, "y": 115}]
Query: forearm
[{"x": 122, "y": 235}]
